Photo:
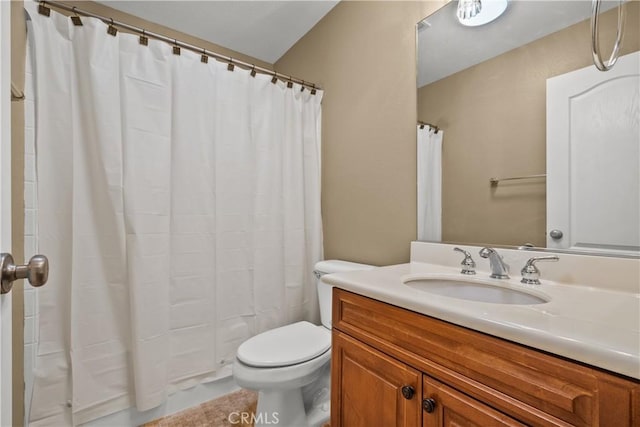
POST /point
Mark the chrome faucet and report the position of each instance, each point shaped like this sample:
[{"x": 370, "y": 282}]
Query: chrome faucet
[
  {"x": 530, "y": 273},
  {"x": 499, "y": 269}
]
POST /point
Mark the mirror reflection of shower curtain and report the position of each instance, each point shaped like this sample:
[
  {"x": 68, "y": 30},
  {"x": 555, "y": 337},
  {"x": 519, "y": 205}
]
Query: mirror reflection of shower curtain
[
  {"x": 429, "y": 151},
  {"x": 179, "y": 204}
]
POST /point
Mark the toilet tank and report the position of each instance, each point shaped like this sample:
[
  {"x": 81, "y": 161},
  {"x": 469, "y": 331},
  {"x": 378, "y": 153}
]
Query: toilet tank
[{"x": 324, "y": 289}]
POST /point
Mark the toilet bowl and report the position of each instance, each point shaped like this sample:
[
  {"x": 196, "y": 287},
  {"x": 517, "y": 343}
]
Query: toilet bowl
[{"x": 290, "y": 366}]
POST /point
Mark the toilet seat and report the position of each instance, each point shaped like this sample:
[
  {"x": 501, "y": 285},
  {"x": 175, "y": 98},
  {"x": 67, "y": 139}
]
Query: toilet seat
[{"x": 285, "y": 346}]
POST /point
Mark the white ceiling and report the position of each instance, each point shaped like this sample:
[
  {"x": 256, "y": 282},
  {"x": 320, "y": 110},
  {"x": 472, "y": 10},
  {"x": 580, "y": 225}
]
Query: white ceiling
[
  {"x": 446, "y": 47},
  {"x": 263, "y": 29}
]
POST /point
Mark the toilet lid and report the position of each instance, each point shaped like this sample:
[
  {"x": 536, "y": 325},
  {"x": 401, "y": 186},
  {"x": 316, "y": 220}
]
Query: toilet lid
[{"x": 284, "y": 346}]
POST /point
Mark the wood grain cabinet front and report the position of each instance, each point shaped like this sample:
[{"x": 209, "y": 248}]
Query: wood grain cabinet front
[
  {"x": 465, "y": 378},
  {"x": 446, "y": 407},
  {"x": 370, "y": 388}
]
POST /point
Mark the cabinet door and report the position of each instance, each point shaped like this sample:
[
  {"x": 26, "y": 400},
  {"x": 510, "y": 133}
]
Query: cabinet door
[
  {"x": 370, "y": 388},
  {"x": 448, "y": 407}
]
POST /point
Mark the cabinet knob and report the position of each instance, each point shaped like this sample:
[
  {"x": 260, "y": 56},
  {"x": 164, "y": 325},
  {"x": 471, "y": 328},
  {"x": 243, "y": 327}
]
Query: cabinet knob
[
  {"x": 429, "y": 405},
  {"x": 408, "y": 392}
]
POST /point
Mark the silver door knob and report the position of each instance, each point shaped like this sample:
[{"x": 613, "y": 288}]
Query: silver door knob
[
  {"x": 556, "y": 234},
  {"x": 36, "y": 271}
]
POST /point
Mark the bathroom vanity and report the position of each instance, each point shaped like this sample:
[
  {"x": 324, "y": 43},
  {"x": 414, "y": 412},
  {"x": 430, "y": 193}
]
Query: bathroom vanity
[
  {"x": 404, "y": 358},
  {"x": 394, "y": 367}
]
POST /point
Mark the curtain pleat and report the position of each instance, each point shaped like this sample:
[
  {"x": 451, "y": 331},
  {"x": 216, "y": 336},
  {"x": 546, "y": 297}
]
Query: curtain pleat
[{"x": 179, "y": 205}]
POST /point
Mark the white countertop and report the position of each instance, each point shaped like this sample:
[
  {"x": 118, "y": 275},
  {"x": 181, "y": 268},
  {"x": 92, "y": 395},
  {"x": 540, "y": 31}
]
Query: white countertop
[{"x": 597, "y": 326}]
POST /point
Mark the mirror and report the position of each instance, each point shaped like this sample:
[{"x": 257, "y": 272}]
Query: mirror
[{"x": 485, "y": 88}]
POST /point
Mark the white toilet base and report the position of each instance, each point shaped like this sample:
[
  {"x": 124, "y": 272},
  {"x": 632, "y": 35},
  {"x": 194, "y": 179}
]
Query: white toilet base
[
  {"x": 281, "y": 408},
  {"x": 282, "y": 392}
]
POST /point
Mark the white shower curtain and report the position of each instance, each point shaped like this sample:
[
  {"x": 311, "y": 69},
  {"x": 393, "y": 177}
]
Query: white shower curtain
[
  {"x": 429, "y": 152},
  {"x": 179, "y": 205}
]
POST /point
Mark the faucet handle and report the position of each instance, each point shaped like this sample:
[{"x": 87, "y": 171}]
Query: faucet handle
[
  {"x": 468, "y": 264},
  {"x": 530, "y": 273}
]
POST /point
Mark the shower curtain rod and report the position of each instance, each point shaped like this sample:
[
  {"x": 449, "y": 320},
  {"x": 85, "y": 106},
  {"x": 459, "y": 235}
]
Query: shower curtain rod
[
  {"x": 423, "y": 124},
  {"x": 44, "y": 10}
]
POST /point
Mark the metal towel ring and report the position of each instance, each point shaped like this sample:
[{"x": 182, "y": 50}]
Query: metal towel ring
[{"x": 595, "y": 45}]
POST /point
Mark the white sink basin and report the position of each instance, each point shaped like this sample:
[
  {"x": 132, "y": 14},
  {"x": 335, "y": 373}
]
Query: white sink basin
[{"x": 473, "y": 289}]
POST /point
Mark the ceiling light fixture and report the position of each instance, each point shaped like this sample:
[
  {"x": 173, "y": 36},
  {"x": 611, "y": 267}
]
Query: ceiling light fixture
[
  {"x": 467, "y": 9},
  {"x": 473, "y": 13}
]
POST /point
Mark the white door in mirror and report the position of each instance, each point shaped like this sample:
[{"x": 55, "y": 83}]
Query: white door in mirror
[{"x": 593, "y": 159}]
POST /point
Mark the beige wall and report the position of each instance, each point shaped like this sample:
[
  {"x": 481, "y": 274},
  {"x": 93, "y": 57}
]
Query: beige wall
[
  {"x": 494, "y": 119},
  {"x": 363, "y": 55}
]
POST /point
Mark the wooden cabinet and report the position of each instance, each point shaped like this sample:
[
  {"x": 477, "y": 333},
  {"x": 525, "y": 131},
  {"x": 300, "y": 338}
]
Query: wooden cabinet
[
  {"x": 471, "y": 378},
  {"x": 377, "y": 389},
  {"x": 447, "y": 407}
]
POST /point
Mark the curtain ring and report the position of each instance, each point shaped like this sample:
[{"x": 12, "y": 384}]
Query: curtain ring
[
  {"x": 253, "y": 71},
  {"x": 144, "y": 40},
  {"x": 75, "y": 18},
  {"x": 43, "y": 9},
  {"x": 176, "y": 48},
  {"x": 204, "y": 58},
  {"x": 111, "y": 30}
]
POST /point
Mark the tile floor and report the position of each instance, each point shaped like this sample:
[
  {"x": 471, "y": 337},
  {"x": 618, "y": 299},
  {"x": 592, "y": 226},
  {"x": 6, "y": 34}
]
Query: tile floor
[{"x": 215, "y": 413}]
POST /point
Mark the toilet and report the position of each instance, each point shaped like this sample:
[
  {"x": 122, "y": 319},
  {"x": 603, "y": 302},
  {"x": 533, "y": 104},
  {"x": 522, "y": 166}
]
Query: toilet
[{"x": 290, "y": 366}]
